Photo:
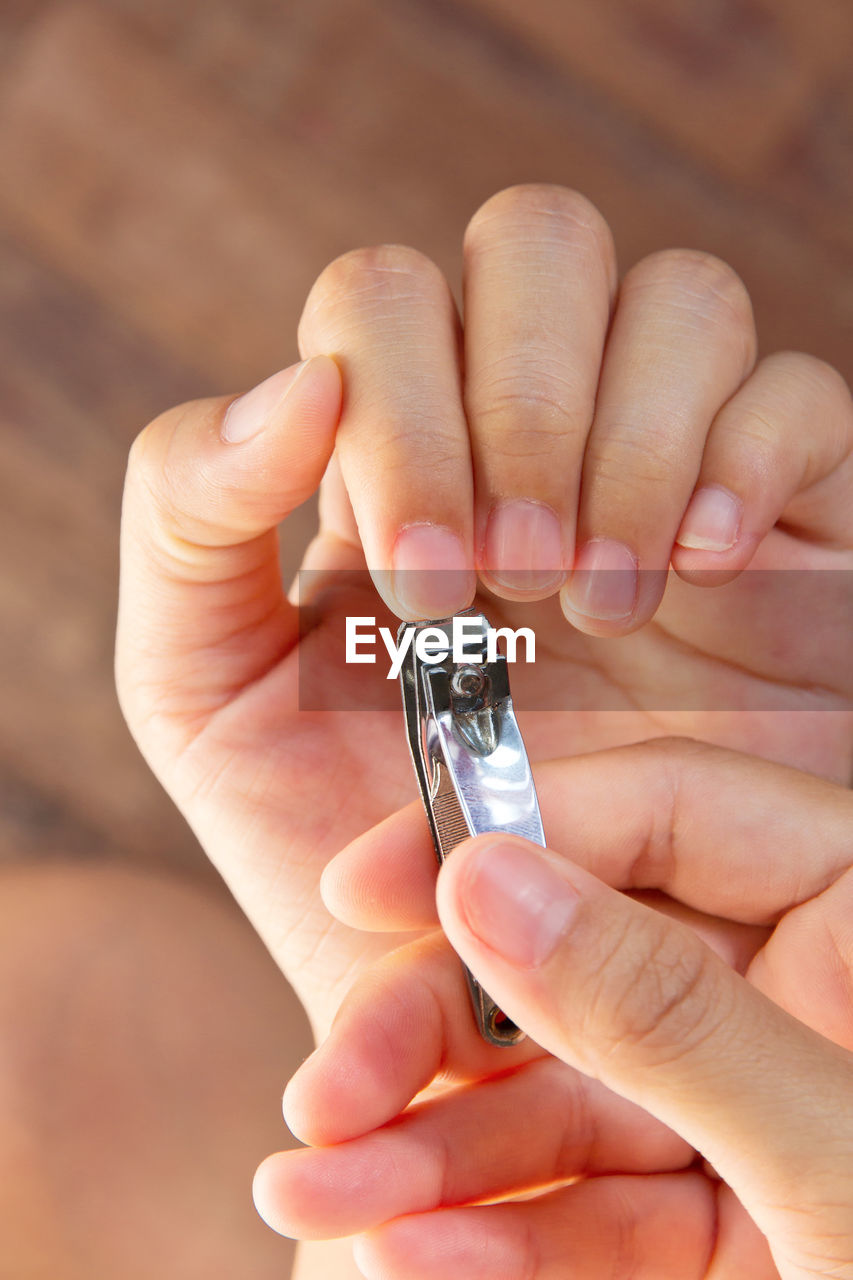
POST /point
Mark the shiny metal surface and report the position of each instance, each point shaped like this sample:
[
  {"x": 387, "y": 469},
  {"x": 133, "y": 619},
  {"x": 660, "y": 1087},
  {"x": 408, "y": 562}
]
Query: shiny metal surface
[{"x": 470, "y": 762}]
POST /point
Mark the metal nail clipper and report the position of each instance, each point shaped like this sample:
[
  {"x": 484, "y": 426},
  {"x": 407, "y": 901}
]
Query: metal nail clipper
[{"x": 469, "y": 757}]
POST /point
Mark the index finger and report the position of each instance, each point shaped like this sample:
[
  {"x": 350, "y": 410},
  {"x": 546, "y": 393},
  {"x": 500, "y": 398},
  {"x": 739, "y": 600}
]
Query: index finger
[
  {"x": 725, "y": 833},
  {"x": 388, "y": 315}
]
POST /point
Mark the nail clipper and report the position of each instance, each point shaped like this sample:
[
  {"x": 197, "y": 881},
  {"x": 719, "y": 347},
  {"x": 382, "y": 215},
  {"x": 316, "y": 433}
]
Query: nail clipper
[{"x": 471, "y": 766}]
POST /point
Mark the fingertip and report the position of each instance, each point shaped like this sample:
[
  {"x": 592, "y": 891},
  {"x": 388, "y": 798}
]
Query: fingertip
[
  {"x": 513, "y": 898},
  {"x": 318, "y": 1100},
  {"x": 608, "y": 628},
  {"x": 608, "y": 594},
  {"x": 712, "y": 521},
  {"x": 267, "y": 1195},
  {"x": 523, "y": 555},
  {"x": 432, "y": 573},
  {"x": 299, "y": 1193},
  {"x": 299, "y": 1111},
  {"x": 367, "y": 1258},
  {"x": 348, "y": 891},
  {"x": 384, "y": 880},
  {"x": 599, "y": 628},
  {"x": 319, "y": 391},
  {"x": 338, "y": 894},
  {"x": 693, "y": 569},
  {"x": 310, "y": 388},
  {"x": 396, "y": 1248},
  {"x": 703, "y": 567},
  {"x": 351, "y": 1084}
]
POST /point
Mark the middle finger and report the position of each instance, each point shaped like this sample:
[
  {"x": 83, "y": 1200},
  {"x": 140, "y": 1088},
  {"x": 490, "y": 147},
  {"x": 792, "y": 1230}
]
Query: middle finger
[{"x": 540, "y": 274}]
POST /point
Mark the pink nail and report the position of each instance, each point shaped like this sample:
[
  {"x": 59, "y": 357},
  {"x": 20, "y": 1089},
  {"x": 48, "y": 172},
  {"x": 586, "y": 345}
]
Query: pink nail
[
  {"x": 523, "y": 550},
  {"x": 249, "y": 414},
  {"x": 432, "y": 577},
  {"x": 711, "y": 521},
  {"x": 604, "y": 582},
  {"x": 516, "y": 903}
]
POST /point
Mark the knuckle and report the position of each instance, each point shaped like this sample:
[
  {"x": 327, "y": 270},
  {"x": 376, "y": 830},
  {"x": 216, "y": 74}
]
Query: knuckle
[
  {"x": 531, "y": 413},
  {"x": 365, "y": 277},
  {"x": 652, "y": 992},
  {"x": 172, "y": 487},
  {"x": 678, "y": 747},
  {"x": 531, "y": 204},
  {"x": 818, "y": 379},
  {"x": 702, "y": 281},
  {"x": 630, "y": 460}
]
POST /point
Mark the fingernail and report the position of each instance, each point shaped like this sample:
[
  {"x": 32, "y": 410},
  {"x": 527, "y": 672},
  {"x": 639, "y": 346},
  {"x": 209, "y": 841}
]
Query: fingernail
[
  {"x": 523, "y": 549},
  {"x": 711, "y": 521},
  {"x": 604, "y": 581},
  {"x": 516, "y": 903},
  {"x": 431, "y": 577},
  {"x": 249, "y": 414}
]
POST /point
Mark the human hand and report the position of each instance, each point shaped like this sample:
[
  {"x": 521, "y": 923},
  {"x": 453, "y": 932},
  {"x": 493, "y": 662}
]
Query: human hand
[
  {"x": 663, "y": 1051},
  {"x": 609, "y": 420}
]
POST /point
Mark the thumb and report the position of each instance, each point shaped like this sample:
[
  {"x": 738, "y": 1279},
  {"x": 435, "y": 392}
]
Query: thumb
[
  {"x": 202, "y": 609},
  {"x": 636, "y": 1000}
]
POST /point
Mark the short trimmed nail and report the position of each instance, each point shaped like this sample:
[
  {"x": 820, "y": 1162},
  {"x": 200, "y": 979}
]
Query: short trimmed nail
[
  {"x": 516, "y": 903},
  {"x": 249, "y": 414},
  {"x": 604, "y": 582},
  {"x": 711, "y": 521},
  {"x": 432, "y": 577},
  {"x": 523, "y": 548}
]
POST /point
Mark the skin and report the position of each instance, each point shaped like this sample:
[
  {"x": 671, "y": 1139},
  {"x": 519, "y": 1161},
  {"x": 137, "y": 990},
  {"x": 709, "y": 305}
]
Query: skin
[
  {"x": 717, "y": 1025},
  {"x": 608, "y": 405},
  {"x": 145, "y": 1031}
]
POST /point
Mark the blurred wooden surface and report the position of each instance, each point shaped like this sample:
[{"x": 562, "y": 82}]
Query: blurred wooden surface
[{"x": 175, "y": 176}]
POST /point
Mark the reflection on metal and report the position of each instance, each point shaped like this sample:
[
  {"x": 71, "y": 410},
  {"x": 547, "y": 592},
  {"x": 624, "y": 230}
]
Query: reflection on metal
[{"x": 470, "y": 761}]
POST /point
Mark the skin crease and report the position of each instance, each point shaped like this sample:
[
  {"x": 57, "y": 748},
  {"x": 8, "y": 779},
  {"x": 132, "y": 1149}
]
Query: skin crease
[
  {"x": 225, "y": 735},
  {"x": 656, "y": 1019}
]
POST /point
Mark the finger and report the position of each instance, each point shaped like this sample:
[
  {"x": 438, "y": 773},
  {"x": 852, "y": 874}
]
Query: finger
[
  {"x": 682, "y": 342},
  {"x": 202, "y": 611},
  {"x": 384, "y": 880},
  {"x": 537, "y": 1127},
  {"x": 415, "y": 1002},
  {"x": 778, "y": 451},
  {"x": 405, "y": 1023},
  {"x": 616, "y": 1226},
  {"x": 641, "y": 1004},
  {"x": 807, "y": 964},
  {"x": 388, "y": 316},
  {"x": 735, "y": 944},
  {"x": 681, "y": 816},
  {"x": 540, "y": 274}
]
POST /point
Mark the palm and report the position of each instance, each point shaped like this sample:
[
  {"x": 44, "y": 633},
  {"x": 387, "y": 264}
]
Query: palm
[{"x": 291, "y": 787}]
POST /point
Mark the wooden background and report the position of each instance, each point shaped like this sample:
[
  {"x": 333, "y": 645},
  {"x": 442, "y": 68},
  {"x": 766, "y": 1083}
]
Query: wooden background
[{"x": 174, "y": 176}]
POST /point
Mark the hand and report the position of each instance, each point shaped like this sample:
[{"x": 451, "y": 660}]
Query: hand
[
  {"x": 663, "y": 1051},
  {"x": 608, "y": 412}
]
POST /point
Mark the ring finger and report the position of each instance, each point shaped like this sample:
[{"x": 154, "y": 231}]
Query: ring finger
[{"x": 682, "y": 342}]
